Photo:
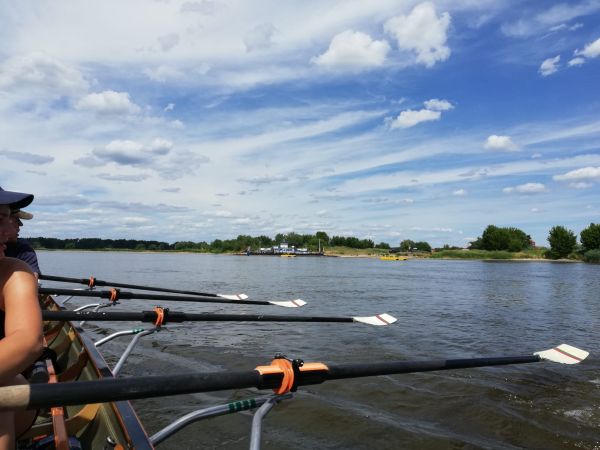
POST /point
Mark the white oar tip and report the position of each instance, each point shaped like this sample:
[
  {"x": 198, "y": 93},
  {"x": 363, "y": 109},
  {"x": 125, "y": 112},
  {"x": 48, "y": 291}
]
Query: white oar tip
[
  {"x": 377, "y": 320},
  {"x": 233, "y": 296},
  {"x": 564, "y": 354},
  {"x": 289, "y": 303}
]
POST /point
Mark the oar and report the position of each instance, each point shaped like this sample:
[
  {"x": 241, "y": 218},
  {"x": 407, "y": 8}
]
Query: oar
[
  {"x": 92, "y": 282},
  {"x": 116, "y": 294},
  {"x": 282, "y": 376},
  {"x": 173, "y": 316}
]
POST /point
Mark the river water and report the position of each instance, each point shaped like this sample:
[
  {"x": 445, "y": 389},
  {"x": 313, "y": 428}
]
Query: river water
[{"x": 445, "y": 309}]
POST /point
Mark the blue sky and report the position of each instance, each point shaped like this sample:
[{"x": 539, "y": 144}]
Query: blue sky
[{"x": 197, "y": 120}]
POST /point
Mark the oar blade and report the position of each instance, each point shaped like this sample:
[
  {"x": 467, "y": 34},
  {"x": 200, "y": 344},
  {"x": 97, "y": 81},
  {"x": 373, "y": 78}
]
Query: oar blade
[
  {"x": 564, "y": 354},
  {"x": 289, "y": 303},
  {"x": 377, "y": 320},
  {"x": 233, "y": 296}
]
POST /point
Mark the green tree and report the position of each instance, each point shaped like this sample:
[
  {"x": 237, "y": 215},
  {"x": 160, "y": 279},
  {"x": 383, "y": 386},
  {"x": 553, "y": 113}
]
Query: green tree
[
  {"x": 406, "y": 245},
  {"x": 562, "y": 242},
  {"x": 497, "y": 238},
  {"x": 590, "y": 237},
  {"x": 423, "y": 246}
]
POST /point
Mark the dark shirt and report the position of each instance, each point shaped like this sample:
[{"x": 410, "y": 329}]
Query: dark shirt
[{"x": 23, "y": 251}]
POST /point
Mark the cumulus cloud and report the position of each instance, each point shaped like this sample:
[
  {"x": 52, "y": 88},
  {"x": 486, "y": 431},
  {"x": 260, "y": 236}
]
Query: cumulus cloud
[
  {"x": 438, "y": 105},
  {"x": 549, "y": 66},
  {"x": 410, "y": 118},
  {"x": 161, "y": 146},
  {"x": 460, "y": 192},
  {"x": 585, "y": 173},
  {"x": 527, "y": 188},
  {"x": 129, "y": 153},
  {"x": 577, "y": 61},
  {"x": 423, "y": 33},
  {"x": 353, "y": 50},
  {"x": 41, "y": 75},
  {"x": 28, "y": 158},
  {"x": 108, "y": 102},
  {"x": 501, "y": 143},
  {"x": 591, "y": 50},
  {"x": 432, "y": 111},
  {"x": 260, "y": 37}
]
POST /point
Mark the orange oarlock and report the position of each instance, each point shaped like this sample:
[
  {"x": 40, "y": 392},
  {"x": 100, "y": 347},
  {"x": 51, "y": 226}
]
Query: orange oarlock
[
  {"x": 92, "y": 283},
  {"x": 114, "y": 295},
  {"x": 160, "y": 316},
  {"x": 286, "y": 368}
]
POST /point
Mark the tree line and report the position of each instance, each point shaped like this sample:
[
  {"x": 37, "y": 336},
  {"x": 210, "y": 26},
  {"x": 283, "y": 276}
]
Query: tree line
[
  {"x": 312, "y": 242},
  {"x": 563, "y": 242}
]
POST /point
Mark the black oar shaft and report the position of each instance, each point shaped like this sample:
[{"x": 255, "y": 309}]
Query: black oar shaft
[
  {"x": 365, "y": 370},
  {"x": 141, "y": 296},
  {"x": 174, "y": 316},
  {"x": 114, "y": 389},
  {"x": 97, "y": 282}
]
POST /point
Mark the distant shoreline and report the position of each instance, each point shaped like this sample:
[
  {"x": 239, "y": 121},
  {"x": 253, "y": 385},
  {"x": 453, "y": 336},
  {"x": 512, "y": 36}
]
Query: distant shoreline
[{"x": 326, "y": 255}]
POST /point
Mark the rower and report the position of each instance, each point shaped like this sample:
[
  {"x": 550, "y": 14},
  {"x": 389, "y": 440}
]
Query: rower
[
  {"x": 20, "y": 321},
  {"x": 17, "y": 247}
]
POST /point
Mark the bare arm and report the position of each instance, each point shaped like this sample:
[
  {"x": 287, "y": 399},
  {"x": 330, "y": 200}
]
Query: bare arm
[{"x": 22, "y": 343}]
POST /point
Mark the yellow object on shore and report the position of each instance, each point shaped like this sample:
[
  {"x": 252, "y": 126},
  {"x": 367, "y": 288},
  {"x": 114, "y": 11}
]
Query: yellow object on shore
[
  {"x": 393, "y": 258},
  {"x": 287, "y": 255}
]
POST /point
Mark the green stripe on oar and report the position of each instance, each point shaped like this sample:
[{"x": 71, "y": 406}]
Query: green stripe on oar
[
  {"x": 95, "y": 282},
  {"x": 115, "y": 389},
  {"x": 125, "y": 295}
]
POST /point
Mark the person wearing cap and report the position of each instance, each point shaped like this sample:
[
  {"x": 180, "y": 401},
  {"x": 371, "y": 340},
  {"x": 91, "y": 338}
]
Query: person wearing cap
[
  {"x": 20, "y": 248},
  {"x": 20, "y": 321}
]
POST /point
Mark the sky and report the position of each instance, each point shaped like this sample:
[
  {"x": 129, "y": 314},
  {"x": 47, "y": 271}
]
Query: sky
[{"x": 390, "y": 120}]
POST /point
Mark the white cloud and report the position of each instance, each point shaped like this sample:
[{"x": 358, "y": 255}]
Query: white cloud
[
  {"x": 410, "y": 118},
  {"x": 353, "y": 50},
  {"x": 28, "y": 158},
  {"x": 591, "y": 50},
  {"x": 422, "y": 32},
  {"x": 108, "y": 102},
  {"x": 169, "y": 107},
  {"x": 502, "y": 143},
  {"x": 577, "y": 61},
  {"x": 432, "y": 111},
  {"x": 161, "y": 146},
  {"x": 460, "y": 192},
  {"x": 585, "y": 173},
  {"x": 40, "y": 74},
  {"x": 438, "y": 105},
  {"x": 527, "y": 188},
  {"x": 549, "y": 66}
]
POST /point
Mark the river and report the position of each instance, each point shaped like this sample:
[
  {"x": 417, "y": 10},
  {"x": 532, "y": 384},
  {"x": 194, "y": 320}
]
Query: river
[{"x": 445, "y": 309}]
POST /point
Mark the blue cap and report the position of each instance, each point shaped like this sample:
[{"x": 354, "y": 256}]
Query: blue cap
[{"x": 16, "y": 200}]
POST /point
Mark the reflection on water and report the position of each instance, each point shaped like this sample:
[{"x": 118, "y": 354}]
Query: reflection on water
[{"x": 445, "y": 309}]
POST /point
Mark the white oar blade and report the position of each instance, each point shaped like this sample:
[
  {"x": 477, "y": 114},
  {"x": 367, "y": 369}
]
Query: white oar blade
[
  {"x": 289, "y": 303},
  {"x": 233, "y": 296},
  {"x": 564, "y": 354},
  {"x": 378, "y": 320}
]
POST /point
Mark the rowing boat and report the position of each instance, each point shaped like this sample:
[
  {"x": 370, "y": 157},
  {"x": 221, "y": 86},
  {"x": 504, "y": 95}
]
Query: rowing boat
[
  {"x": 94, "y": 426},
  {"x": 86, "y": 406}
]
